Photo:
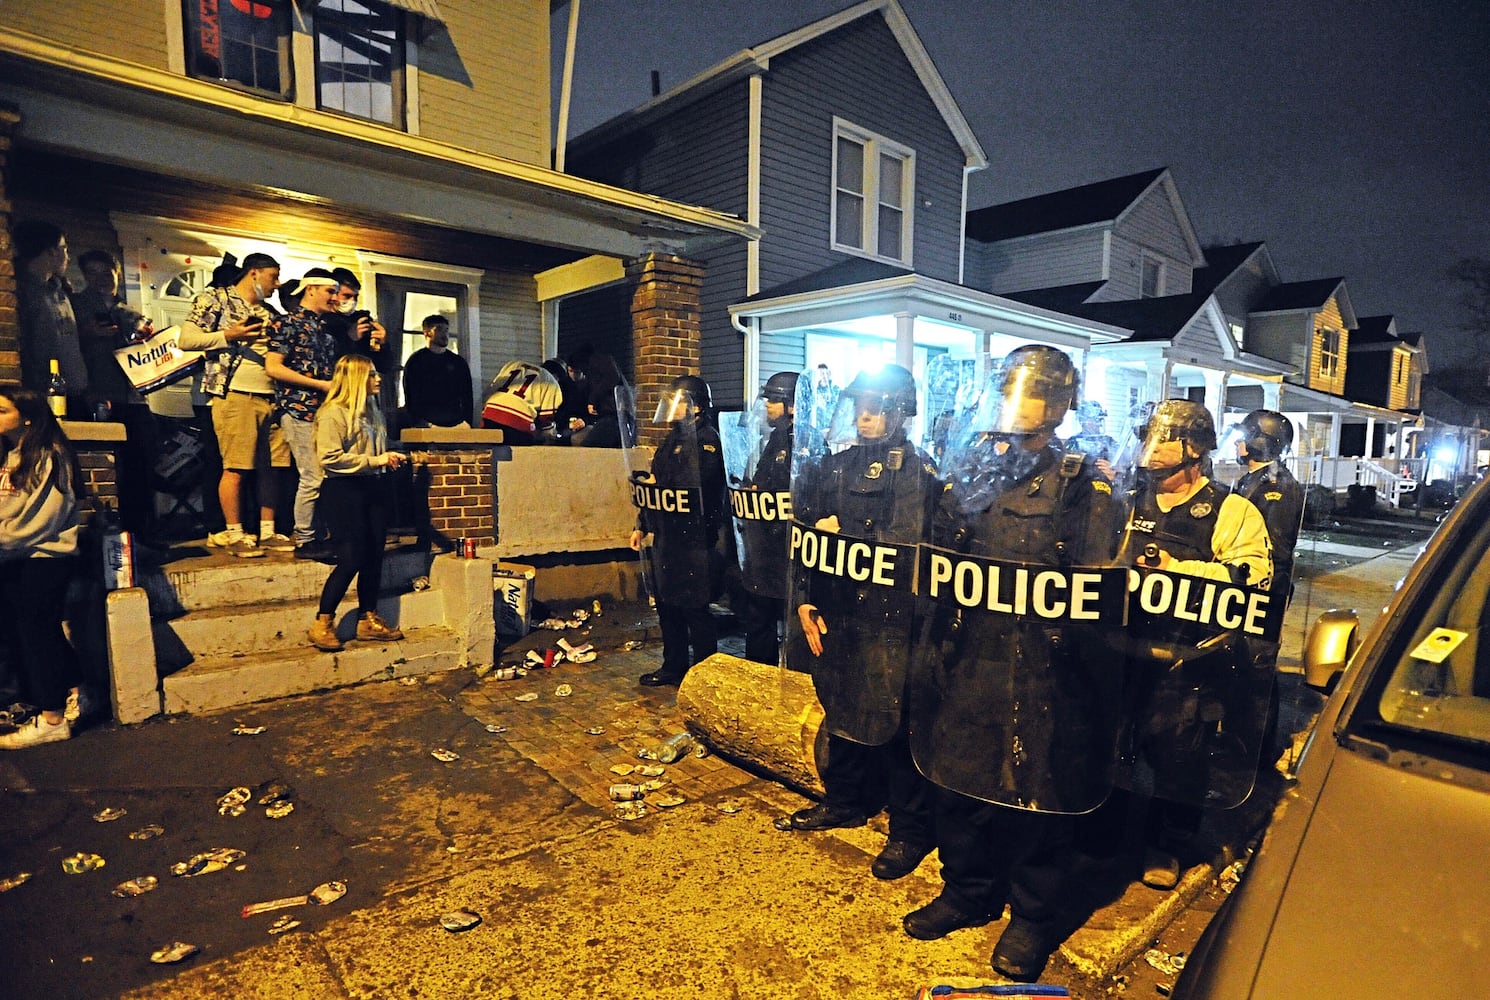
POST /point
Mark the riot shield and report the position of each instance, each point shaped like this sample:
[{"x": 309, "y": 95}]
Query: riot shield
[
  {"x": 1013, "y": 688},
  {"x": 858, "y": 513},
  {"x": 1203, "y": 619},
  {"x": 758, "y": 474},
  {"x": 667, "y": 491}
]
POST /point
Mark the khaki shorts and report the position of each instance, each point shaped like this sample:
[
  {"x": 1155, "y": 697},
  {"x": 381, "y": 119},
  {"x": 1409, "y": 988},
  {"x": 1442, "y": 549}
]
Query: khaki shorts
[{"x": 247, "y": 433}]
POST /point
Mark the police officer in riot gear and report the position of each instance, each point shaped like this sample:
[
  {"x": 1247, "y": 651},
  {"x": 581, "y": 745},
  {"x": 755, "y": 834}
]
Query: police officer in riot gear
[
  {"x": 1013, "y": 716},
  {"x": 1196, "y": 688},
  {"x": 681, "y": 501},
  {"x": 760, "y": 498},
  {"x": 1265, "y": 437},
  {"x": 1093, "y": 439},
  {"x": 853, "y": 635}
]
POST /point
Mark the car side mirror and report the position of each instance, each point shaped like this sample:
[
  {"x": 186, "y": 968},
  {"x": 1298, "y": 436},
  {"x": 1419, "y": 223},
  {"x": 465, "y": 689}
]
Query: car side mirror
[{"x": 1328, "y": 647}]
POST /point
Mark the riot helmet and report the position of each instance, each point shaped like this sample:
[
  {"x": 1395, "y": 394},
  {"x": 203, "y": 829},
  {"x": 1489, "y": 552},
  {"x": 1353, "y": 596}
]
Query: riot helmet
[
  {"x": 1266, "y": 435},
  {"x": 1176, "y": 433},
  {"x": 1092, "y": 416},
  {"x": 889, "y": 391},
  {"x": 780, "y": 388},
  {"x": 1036, "y": 388},
  {"x": 686, "y": 397}
]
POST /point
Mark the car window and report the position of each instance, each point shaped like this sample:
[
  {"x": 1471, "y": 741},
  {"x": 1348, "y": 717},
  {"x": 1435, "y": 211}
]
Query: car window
[{"x": 1437, "y": 675}]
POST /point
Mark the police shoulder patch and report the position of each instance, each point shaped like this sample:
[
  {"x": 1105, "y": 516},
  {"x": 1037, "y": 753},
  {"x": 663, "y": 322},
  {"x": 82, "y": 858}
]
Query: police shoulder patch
[
  {"x": 1274, "y": 495},
  {"x": 1102, "y": 486},
  {"x": 710, "y": 447}
]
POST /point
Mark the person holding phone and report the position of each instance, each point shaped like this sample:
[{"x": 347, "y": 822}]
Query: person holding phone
[{"x": 234, "y": 323}]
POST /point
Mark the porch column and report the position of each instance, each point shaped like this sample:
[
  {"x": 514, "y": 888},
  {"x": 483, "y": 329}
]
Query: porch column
[
  {"x": 905, "y": 340},
  {"x": 665, "y": 325},
  {"x": 1371, "y": 437},
  {"x": 10, "y": 330},
  {"x": 1215, "y": 394},
  {"x": 1272, "y": 394},
  {"x": 1333, "y": 451}
]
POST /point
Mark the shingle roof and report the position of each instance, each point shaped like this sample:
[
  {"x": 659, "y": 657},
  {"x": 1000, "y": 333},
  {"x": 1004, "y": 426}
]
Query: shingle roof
[
  {"x": 1372, "y": 330},
  {"x": 1220, "y": 263},
  {"x": 1061, "y": 298},
  {"x": 1299, "y": 295},
  {"x": 852, "y": 271},
  {"x": 1047, "y": 213},
  {"x": 1155, "y": 319}
]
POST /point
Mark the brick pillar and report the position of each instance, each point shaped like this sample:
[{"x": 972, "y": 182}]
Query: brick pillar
[
  {"x": 461, "y": 493},
  {"x": 97, "y": 445},
  {"x": 10, "y": 334},
  {"x": 665, "y": 327}
]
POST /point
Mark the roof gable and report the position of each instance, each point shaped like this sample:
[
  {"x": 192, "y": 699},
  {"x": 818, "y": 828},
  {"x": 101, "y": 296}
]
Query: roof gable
[
  {"x": 1224, "y": 261},
  {"x": 757, "y": 59},
  {"x": 1086, "y": 205},
  {"x": 1305, "y": 296}
]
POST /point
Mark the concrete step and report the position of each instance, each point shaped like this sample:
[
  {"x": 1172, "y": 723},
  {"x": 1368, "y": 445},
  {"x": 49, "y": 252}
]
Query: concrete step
[
  {"x": 243, "y": 630},
  {"x": 224, "y": 681},
  {"x": 215, "y": 580}
]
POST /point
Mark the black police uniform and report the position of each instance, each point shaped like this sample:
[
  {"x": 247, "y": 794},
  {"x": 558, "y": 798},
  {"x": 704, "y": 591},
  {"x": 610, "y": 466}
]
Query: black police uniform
[
  {"x": 762, "y": 600},
  {"x": 686, "y": 558},
  {"x": 1031, "y": 706},
  {"x": 1275, "y": 492},
  {"x": 880, "y": 491}
]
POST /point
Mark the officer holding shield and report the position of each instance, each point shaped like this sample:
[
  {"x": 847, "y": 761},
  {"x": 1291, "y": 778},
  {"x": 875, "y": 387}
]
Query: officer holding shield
[
  {"x": 1192, "y": 687},
  {"x": 858, "y": 514},
  {"x": 758, "y": 460},
  {"x": 1012, "y": 714},
  {"x": 680, "y": 502}
]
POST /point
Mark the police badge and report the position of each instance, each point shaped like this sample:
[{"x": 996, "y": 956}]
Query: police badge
[{"x": 1200, "y": 510}]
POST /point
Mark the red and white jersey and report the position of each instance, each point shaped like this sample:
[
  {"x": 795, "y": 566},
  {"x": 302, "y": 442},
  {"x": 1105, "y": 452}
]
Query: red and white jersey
[{"x": 523, "y": 397}]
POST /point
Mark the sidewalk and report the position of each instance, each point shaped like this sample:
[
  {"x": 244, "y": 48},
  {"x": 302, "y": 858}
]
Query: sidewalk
[{"x": 702, "y": 899}]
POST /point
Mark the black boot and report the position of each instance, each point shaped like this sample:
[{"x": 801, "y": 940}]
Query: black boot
[{"x": 825, "y": 816}]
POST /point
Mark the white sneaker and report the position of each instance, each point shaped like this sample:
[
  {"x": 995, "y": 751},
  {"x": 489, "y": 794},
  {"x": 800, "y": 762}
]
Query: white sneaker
[
  {"x": 237, "y": 544},
  {"x": 36, "y": 732},
  {"x": 277, "y": 543},
  {"x": 74, "y": 708}
]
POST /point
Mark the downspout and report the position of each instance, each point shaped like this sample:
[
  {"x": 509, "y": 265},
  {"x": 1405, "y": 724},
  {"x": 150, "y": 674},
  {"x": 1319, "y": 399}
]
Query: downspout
[{"x": 564, "y": 89}]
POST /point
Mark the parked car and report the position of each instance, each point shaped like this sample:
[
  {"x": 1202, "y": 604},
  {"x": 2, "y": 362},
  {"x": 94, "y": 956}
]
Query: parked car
[{"x": 1373, "y": 879}]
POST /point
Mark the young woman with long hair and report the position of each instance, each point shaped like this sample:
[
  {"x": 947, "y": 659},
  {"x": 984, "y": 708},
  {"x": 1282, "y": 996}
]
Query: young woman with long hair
[
  {"x": 40, "y": 486},
  {"x": 356, "y": 497}
]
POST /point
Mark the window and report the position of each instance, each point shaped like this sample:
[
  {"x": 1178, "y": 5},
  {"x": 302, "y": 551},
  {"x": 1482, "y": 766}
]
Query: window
[
  {"x": 360, "y": 59},
  {"x": 1329, "y": 353},
  {"x": 1151, "y": 277},
  {"x": 241, "y": 42},
  {"x": 1399, "y": 368},
  {"x": 873, "y": 190},
  {"x": 1237, "y": 333}
]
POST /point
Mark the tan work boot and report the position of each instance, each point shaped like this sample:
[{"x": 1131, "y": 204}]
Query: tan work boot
[
  {"x": 323, "y": 634},
  {"x": 372, "y": 626}
]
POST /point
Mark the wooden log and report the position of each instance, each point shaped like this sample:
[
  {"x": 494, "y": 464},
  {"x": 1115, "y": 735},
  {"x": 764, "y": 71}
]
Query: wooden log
[{"x": 766, "y": 716}]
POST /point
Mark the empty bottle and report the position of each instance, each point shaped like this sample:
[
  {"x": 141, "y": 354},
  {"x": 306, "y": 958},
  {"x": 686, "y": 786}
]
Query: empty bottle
[
  {"x": 675, "y": 748},
  {"x": 57, "y": 392}
]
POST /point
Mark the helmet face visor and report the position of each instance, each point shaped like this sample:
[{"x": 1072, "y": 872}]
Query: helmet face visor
[
  {"x": 676, "y": 404},
  {"x": 1026, "y": 406},
  {"x": 1165, "y": 442}
]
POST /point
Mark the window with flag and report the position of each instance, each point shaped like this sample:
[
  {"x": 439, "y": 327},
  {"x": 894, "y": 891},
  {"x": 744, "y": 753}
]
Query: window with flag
[
  {"x": 360, "y": 59},
  {"x": 873, "y": 193},
  {"x": 245, "y": 43}
]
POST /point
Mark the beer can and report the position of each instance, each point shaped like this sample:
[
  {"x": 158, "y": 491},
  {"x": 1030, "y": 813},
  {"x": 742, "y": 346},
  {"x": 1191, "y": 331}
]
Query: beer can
[
  {"x": 468, "y": 548},
  {"x": 626, "y": 793}
]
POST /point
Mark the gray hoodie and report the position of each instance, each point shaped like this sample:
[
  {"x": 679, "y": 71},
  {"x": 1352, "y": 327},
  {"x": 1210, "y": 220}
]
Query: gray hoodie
[{"x": 38, "y": 524}]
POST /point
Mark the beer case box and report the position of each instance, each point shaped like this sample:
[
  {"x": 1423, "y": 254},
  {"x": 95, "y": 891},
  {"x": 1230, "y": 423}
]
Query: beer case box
[{"x": 512, "y": 593}]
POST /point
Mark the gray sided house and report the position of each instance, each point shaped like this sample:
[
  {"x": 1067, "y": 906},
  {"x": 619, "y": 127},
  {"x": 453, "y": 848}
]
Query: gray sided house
[{"x": 842, "y": 143}]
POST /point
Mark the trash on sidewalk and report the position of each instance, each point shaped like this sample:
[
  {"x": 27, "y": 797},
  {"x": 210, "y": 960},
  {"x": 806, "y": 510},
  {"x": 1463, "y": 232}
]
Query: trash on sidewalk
[
  {"x": 440, "y": 753},
  {"x": 621, "y": 769},
  {"x": 595, "y": 611},
  {"x": 274, "y": 791},
  {"x": 631, "y": 644},
  {"x": 18, "y": 879},
  {"x": 234, "y": 802},
  {"x": 577, "y": 654},
  {"x": 208, "y": 862},
  {"x": 492, "y": 727},
  {"x": 667, "y": 800},
  {"x": 173, "y": 953},
  {"x": 634, "y": 809},
  {"x": 625, "y": 792},
  {"x": 460, "y": 920},
  {"x": 1166, "y": 963},
  {"x": 77, "y": 864},
  {"x": 595, "y": 731},
  {"x": 563, "y": 691},
  {"x": 651, "y": 770},
  {"x": 675, "y": 748},
  {"x": 654, "y": 784},
  {"x": 279, "y": 809},
  {"x": 730, "y": 806},
  {"x": 1231, "y": 875},
  {"x": 529, "y": 696},
  {"x": 108, "y": 815},
  {"x": 250, "y": 730},
  {"x": 506, "y": 674},
  {"x": 408, "y": 681},
  {"x": 285, "y": 923},
  {"x": 556, "y": 624},
  {"x": 322, "y": 895},
  {"x": 1002, "y": 991},
  {"x": 136, "y": 886},
  {"x": 580, "y": 615},
  {"x": 420, "y": 583},
  {"x": 147, "y": 832}
]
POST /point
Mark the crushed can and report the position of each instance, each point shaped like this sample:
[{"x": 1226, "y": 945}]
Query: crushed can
[{"x": 626, "y": 792}]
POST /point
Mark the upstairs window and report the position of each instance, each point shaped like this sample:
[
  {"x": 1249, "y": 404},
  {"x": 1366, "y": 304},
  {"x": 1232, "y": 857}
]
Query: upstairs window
[
  {"x": 873, "y": 194},
  {"x": 1151, "y": 277},
  {"x": 360, "y": 59},
  {"x": 1238, "y": 333},
  {"x": 245, "y": 43},
  {"x": 1329, "y": 353}
]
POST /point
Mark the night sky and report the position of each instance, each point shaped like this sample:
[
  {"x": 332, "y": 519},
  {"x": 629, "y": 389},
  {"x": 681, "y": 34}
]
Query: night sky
[{"x": 1352, "y": 138}]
